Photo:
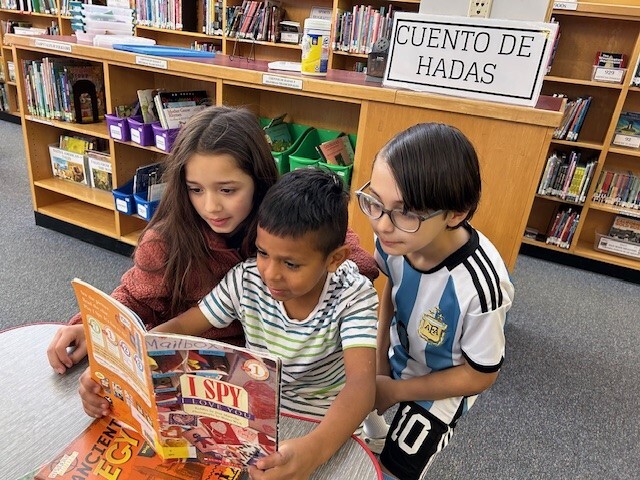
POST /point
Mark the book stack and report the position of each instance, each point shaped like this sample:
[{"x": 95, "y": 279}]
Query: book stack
[
  {"x": 618, "y": 188},
  {"x": 64, "y": 89},
  {"x": 255, "y": 20},
  {"x": 563, "y": 227},
  {"x": 359, "y": 29},
  {"x": 572, "y": 119},
  {"x": 566, "y": 176},
  {"x": 147, "y": 182}
]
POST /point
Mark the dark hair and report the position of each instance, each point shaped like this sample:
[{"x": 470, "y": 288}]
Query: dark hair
[
  {"x": 307, "y": 200},
  {"x": 435, "y": 167},
  {"x": 215, "y": 130}
]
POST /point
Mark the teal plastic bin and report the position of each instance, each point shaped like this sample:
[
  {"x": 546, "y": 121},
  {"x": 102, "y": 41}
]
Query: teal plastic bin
[
  {"x": 343, "y": 171},
  {"x": 298, "y": 133},
  {"x": 306, "y": 154}
]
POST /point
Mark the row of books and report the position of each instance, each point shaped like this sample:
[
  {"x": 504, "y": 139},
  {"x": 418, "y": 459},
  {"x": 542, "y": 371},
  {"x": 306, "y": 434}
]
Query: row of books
[
  {"x": 563, "y": 227},
  {"x": 256, "y": 20},
  {"x": 80, "y": 159},
  {"x": 358, "y": 30},
  {"x": 566, "y": 176},
  {"x": 169, "y": 14},
  {"x": 572, "y": 119},
  {"x": 171, "y": 109},
  {"x": 618, "y": 188},
  {"x": 35, "y": 6},
  {"x": 19, "y": 27},
  {"x": 64, "y": 89},
  {"x": 212, "y": 17}
]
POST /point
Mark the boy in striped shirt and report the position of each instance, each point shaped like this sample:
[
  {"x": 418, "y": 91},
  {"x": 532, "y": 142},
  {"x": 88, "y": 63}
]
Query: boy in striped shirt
[{"x": 302, "y": 300}]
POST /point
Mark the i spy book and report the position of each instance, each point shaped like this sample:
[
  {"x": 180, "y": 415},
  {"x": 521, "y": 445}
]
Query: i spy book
[{"x": 190, "y": 398}]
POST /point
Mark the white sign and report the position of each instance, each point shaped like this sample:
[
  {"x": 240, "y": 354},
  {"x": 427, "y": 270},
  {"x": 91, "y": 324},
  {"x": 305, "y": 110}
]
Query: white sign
[
  {"x": 53, "y": 45},
  {"x": 486, "y": 59},
  {"x": 568, "y": 5},
  {"x": 151, "y": 62},
  {"x": 285, "y": 82},
  {"x": 604, "y": 74}
]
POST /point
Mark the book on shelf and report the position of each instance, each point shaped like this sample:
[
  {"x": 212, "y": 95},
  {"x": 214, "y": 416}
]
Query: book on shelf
[
  {"x": 148, "y": 108},
  {"x": 176, "y": 108},
  {"x": 190, "y": 398},
  {"x": 106, "y": 449},
  {"x": 145, "y": 176},
  {"x": 627, "y": 132},
  {"x": 100, "y": 173},
  {"x": 573, "y": 118},
  {"x": 68, "y": 165},
  {"x": 625, "y": 228},
  {"x": 635, "y": 80},
  {"x": 618, "y": 188},
  {"x": 337, "y": 151},
  {"x": 563, "y": 227},
  {"x": 278, "y": 134}
]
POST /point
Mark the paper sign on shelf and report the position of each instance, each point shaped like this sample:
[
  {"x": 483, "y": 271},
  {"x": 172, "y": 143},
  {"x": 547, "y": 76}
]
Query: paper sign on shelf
[{"x": 485, "y": 59}]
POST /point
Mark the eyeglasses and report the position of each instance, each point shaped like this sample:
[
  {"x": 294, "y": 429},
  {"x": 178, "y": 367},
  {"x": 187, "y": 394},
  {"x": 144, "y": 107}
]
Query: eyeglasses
[{"x": 404, "y": 220}]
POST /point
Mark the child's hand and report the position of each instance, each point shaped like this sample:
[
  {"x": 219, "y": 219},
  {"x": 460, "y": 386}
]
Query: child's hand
[
  {"x": 94, "y": 405},
  {"x": 59, "y": 359},
  {"x": 384, "y": 393},
  {"x": 294, "y": 460}
]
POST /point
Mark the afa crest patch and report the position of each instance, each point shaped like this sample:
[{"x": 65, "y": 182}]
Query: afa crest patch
[{"x": 432, "y": 327}]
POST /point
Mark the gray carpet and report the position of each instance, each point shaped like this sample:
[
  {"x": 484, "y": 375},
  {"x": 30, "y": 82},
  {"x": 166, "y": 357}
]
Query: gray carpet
[{"x": 563, "y": 407}]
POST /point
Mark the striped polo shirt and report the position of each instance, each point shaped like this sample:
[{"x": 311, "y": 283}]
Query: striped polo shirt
[{"x": 311, "y": 350}]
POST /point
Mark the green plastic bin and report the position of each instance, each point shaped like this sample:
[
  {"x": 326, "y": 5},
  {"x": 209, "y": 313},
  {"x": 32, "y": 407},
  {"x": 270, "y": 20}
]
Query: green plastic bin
[
  {"x": 298, "y": 133},
  {"x": 343, "y": 171},
  {"x": 306, "y": 154}
]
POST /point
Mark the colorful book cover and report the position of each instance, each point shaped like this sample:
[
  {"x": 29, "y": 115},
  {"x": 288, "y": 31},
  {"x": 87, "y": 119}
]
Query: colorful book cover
[
  {"x": 86, "y": 91},
  {"x": 68, "y": 165},
  {"x": 108, "y": 450},
  {"x": 189, "y": 397},
  {"x": 338, "y": 151},
  {"x": 625, "y": 228},
  {"x": 100, "y": 170},
  {"x": 179, "y": 107}
]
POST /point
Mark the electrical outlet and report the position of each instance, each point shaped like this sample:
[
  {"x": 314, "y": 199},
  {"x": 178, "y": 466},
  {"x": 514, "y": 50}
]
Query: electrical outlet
[{"x": 479, "y": 8}]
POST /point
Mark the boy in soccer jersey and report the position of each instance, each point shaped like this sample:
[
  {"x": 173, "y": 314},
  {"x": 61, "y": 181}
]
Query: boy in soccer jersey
[
  {"x": 302, "y": 300},
  {"x": 441, "y": 324}
]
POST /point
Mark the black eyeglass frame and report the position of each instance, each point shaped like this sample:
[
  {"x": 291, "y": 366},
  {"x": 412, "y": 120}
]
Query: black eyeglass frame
[{"x": 421, "y": 218}]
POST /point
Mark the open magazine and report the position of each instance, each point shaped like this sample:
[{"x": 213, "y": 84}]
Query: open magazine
[{"x": 188, "y": 397}]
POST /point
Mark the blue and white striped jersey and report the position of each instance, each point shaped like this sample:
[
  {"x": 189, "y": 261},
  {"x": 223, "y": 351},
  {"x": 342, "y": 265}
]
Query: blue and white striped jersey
[
  {"x": 312, "y": 349},
  {"x": 453, "y": 313}
]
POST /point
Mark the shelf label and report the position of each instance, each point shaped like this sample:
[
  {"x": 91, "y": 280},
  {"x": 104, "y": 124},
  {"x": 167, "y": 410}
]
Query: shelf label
[
  {"x": 626, "y": 140},
  {"x": 616, "y": 246},
  {"x": 151, "y": 62},
  {"x": 52, "y": 45},
  {"x": 611, "y": 75},
  {"x": 285, "y": 82},
  {"x": 481, "y": 58},
  {"x": 568, "y": 5}
]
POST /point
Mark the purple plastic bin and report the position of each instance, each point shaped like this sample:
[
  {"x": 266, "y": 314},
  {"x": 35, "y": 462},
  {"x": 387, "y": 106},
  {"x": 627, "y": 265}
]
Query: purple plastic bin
[
  {"x": 164, "y": 136},
  {"x": 118, "y": 128},
  {"x": 141, "y": 133}
]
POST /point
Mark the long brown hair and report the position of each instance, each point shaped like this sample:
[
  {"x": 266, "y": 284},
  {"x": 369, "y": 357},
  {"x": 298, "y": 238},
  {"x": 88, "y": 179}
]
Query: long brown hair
[{"x": 215, "y": 130}]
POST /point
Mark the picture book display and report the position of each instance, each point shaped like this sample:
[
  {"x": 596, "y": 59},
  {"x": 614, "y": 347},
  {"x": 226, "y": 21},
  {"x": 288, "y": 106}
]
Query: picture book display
[
  {"x": 189, "y": 397},
  {"x": 100, "y": 170},
  {"x": 627, "y": 133},
  {"x": 626, "y": 228},
  {"x": 108, "y": 450},
  {"x": 176, "y": 108}
]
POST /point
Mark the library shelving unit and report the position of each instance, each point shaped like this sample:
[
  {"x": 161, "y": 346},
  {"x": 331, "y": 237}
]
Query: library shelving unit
[
  {"x": 262, "y": 50},
  {"x": 593, "y": 27},
  {"x": 511, "y": 141},
  {"x": 36, "y": 19}
]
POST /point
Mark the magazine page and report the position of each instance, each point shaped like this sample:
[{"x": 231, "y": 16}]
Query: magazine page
[
  {"x": 108, "y": 450},
  {"x": 217, "y": 403},
  {"x": 117, "y": 357}
]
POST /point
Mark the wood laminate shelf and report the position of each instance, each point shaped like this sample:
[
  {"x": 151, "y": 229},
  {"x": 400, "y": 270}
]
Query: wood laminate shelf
[
  {"x": 83, "y": 215},
  {"x": 84, "y": 193}
]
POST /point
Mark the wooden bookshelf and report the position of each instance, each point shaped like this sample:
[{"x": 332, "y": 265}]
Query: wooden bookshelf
[
  {"x": 608, "y": 26},
  {"x": 512, "y": 141}
]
